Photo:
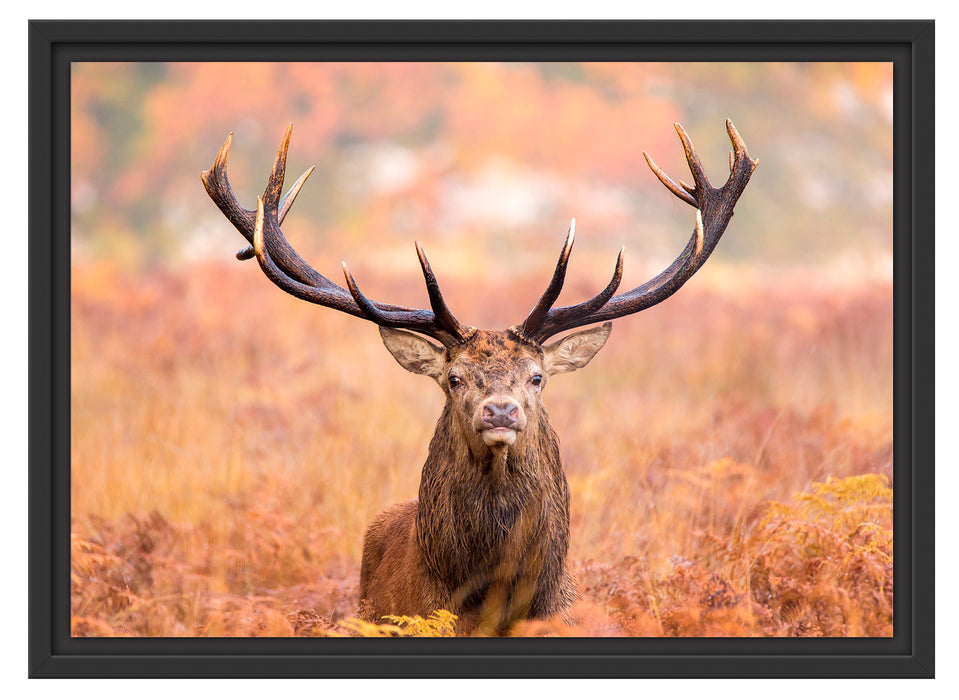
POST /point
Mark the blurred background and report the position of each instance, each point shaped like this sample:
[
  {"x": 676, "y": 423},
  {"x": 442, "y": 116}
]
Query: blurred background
[
  {"x": 469, "y": 156},
  {"x": 230, "y": 443}
]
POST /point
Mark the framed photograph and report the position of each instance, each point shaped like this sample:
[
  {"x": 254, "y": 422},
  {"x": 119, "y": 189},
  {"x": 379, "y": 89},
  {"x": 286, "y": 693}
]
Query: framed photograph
[{"x": 406, "y": 420}]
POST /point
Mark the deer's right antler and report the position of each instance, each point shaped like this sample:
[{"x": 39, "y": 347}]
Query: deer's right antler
[{"x": 288, "y": 271}]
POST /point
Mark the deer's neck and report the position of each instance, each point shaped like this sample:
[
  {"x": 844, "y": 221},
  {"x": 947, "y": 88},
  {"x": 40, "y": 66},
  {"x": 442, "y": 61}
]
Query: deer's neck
[{"x": 477, "y": 508}]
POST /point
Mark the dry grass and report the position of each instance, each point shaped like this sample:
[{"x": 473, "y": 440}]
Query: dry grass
[{"x": 729, "y": 454}]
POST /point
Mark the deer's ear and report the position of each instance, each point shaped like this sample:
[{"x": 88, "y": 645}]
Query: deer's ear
[
  {"x": 413, "y": 352},
  {"x": 575, "y": 350}
]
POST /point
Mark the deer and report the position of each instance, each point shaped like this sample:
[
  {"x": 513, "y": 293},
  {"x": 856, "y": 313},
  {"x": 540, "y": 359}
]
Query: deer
[{"x": 487, "y": 537}]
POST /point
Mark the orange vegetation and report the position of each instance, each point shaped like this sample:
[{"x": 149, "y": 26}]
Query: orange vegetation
[{"x": 729, "y": 456}]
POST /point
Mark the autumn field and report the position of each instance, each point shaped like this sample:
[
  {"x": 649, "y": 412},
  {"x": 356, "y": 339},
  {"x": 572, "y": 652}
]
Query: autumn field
[{"x": 729, "y": 453}]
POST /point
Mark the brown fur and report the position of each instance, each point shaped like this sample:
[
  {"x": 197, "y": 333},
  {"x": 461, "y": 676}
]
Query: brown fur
[{"x": 487, "y": 538}]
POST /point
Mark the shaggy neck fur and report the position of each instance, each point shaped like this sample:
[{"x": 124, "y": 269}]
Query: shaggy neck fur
[{"x": 495, "y": 522}]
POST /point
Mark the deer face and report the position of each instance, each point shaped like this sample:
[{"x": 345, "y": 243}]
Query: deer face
[{"x": 493, "y": 381}]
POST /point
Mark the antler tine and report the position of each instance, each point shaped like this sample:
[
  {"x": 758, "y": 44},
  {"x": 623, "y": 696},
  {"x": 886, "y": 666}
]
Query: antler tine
[
  {"x": 557, "y": 317},
  {"x": 444, "y": 328},
  {"x": 442, "y": 312},
  {"x": 692, "y": 159},
  {"x": 271, "y": 195},
  {"x": 668, "y": 181},
  {"x": 316, "y": 295},
  {"x": 738, "y": 174},
  {"x": 369, "y": 309},
  {"x": 285, "y": 204},
  {"x": 217, "y": 186},
  {"x": 275, "y": 185},
  {"x": 538, "y": 314},
  {"x": 714, "y": 209}
]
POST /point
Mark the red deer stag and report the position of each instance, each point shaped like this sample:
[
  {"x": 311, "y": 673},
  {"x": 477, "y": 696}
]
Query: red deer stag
[{"x": 488, "y": 536}]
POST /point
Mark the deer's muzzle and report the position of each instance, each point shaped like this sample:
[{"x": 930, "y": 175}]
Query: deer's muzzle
[{"x": 498, "y": 419}]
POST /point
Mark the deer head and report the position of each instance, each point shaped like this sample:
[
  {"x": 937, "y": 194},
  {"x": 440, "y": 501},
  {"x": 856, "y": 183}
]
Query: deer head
[{"x": 493, "y": 381}]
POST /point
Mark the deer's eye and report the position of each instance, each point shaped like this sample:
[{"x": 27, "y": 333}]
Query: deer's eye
[
  {"x": 455, "y": 382},
  {"x": 536, "y": 379}
]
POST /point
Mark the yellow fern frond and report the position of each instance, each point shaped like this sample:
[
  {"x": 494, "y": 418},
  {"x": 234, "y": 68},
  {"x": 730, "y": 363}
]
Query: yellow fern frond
[{"x": 439, "y": 623}]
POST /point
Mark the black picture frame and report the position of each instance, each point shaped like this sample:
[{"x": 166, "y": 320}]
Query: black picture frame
[{"x": 53, "y": 45}]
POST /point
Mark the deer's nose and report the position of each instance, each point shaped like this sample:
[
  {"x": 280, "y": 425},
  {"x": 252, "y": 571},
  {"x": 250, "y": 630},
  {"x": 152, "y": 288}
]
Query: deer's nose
[{"x": 501, "y": 415}]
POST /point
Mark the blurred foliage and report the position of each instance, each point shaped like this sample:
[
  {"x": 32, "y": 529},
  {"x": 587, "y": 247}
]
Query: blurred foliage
[
  {"x": 475, "y": 154},
  {"x": 729, "y": 457}
]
